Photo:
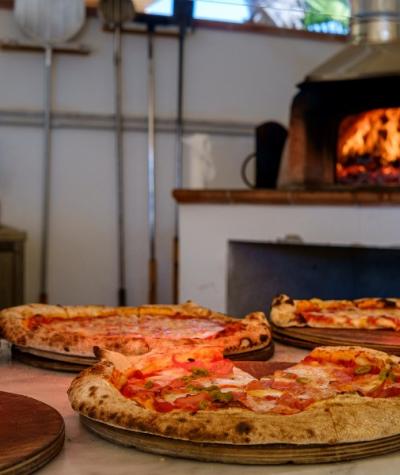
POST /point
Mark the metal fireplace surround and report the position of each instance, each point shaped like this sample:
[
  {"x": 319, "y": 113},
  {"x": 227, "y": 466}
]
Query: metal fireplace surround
[{"x": 362, "y": 77}]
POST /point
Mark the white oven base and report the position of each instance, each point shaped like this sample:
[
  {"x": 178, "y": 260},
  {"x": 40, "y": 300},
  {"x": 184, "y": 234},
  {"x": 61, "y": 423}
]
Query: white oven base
[{"x": 206, "y": 229}]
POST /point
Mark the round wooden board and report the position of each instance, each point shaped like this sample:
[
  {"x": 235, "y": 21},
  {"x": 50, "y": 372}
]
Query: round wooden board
[
  {"x": 31, "y": 434},
  {"x": 383, "y": 340},
  {"x": 52, "y": 355},
  {"x": 271, "y": 454},
  {"x": 74, "y": 364}
]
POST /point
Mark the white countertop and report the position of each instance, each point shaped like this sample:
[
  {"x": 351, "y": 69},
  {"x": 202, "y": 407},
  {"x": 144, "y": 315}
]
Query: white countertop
[{"x": 85, "y": 453}]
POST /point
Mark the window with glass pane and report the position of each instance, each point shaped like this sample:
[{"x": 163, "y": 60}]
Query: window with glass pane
[{"x": 322, "y": 16}]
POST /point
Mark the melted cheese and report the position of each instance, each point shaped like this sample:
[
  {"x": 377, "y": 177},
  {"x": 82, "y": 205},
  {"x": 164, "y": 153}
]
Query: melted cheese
[
  {"x": 167, "y": 376},
  {"x": 239, "y": 379},
  {"x": 258, "y": 404}
]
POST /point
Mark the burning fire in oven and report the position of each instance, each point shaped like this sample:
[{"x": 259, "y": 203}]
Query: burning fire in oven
[{"x": 368, "y": 151}]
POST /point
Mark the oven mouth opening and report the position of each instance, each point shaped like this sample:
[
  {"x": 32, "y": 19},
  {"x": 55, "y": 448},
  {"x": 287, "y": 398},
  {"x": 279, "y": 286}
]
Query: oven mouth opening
[{"x": 368, "y": 149}]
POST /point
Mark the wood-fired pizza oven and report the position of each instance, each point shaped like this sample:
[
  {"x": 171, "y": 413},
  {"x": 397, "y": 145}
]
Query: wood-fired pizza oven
[{"x": 345, "y": 120}]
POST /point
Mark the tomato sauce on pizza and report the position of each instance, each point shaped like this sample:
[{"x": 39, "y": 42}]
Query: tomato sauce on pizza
[
  {"x": 130, "y": 330},
  {"x": 198, "y": 380}
]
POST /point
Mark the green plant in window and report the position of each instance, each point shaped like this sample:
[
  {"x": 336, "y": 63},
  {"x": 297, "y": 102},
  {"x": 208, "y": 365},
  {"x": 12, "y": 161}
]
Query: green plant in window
[{"x": 324, "y": 11}]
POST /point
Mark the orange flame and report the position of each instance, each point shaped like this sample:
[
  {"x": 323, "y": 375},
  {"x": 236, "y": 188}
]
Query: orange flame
[{"x": 369, "y": 148}]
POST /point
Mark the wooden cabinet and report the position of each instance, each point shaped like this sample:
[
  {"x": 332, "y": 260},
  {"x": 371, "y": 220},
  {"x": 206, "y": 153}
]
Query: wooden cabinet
[{"x": 11, "y": 266}]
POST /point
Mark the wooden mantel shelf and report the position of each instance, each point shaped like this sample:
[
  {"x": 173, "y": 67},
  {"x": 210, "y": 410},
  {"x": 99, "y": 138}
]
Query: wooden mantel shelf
[{"x": 295, "y": 197}]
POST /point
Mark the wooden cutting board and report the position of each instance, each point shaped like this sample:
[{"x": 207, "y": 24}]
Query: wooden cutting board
[
  {"x": 74, "y": 363},
  {"x": 31, "y": 434},
  {"x": 268, "y": 454},
  {"x": 383, "y": 340},
  {"x": 49, "y": 360},
  {"x": 257, "y": 355}
]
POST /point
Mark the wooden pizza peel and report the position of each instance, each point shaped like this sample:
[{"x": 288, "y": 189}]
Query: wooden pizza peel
[
  {"x": 31, "y": 434},
  {"x": 305, "y": 337},
  {"x": 74, "y": 363},
  {"x": 49, "y": 23},
  {"x": 50, "y": 360},
  {"x": 267, "y": 454}
]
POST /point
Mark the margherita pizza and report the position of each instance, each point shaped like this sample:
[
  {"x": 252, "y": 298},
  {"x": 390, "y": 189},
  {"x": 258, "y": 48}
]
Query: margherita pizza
[
  {"x": 130, "y": 330},
  {"x": 334, "y": 395},
  {"x": 367, "y": 313}
]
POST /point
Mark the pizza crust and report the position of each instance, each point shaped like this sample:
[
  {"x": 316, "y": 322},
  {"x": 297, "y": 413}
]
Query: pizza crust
[
  {"x": 255, "y": 335},
  {"x": 282, "y": 311},
  {"x": 342, "y": 419}
]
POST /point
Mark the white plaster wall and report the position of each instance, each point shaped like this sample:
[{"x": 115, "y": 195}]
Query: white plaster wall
[{"x": 229, "y": 76}]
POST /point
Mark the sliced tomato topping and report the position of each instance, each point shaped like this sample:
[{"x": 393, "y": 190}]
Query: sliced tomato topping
[
  {"x": 306, "y": 306},
  {"x": 221, "y": 368},
  {"x": 386, "y": 391},
  {"x": 256, "y": 384},
  {"x": 318, "y": 318},
  {"x": 391, "y": 391},
  {"x": 163, "y": 406},
  {"x": 395, "y": 377},
  {"x": 238, "y": 395},
  {"x": 372, "y": 320},
  {"x": 177, "y": 384},
  {"x": 368, "y": 304},
  {"x": 342, "y": 375},
  {"x": 283, "y": 385},
  {"x": 136, "y": 374},
  {"x": 192, "y": 402},
  {"x": 129, "y": 390},
  {"x": 292, "y": 402},
  {"x": 266, "y": 383},
  {"x": 311, "y": 360},
  {"x": 301, "y": 404}
]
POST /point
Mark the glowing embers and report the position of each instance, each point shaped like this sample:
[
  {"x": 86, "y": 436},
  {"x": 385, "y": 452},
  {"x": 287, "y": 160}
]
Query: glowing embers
[{"x": 368, "y": 150}]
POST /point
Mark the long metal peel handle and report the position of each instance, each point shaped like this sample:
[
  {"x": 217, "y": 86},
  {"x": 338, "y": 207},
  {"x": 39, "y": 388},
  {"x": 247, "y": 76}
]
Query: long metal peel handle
[
  {"x": 120, "y": 164},
  {"x": 152, "y": 281},
  {"x": 175, "y": 263},
  {"x": 48, "y": 63},
  {"x": 151, "y": 174},
  {"x": 178, "y": 164}
]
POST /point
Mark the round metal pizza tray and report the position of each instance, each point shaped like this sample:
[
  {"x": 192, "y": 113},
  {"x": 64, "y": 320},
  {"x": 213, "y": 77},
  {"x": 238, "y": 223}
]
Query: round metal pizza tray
[{"x": 269, "y": 454}]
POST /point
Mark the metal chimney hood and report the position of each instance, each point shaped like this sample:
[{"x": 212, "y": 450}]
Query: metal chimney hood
[{"x": 374, "y": 49}]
